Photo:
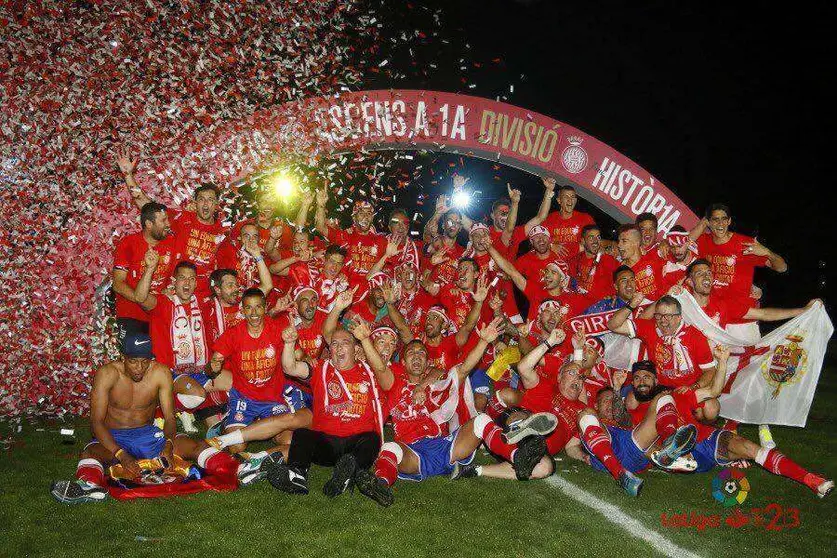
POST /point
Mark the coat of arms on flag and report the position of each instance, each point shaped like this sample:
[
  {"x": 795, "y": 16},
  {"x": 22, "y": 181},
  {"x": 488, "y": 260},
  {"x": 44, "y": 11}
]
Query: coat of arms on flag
[{"x": 787, "y": 364}]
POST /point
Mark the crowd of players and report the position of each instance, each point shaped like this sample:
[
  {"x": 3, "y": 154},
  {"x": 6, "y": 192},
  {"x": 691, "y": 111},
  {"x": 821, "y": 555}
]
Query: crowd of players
[{"x": 318, "y": 337}]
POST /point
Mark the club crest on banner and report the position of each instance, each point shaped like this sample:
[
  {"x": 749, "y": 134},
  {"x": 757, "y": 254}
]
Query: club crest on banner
[
  {"x": 574, "y": 158},
  {"x": 787, "y": 365}
]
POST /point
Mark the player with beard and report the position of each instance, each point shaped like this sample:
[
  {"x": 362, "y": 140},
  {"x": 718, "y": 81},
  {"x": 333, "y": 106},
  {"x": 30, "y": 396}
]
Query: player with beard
[
  {"x": 223, "y": 308},
  {"x": 596, "y": 316},
  {"x": 245, "y": 257},
  {"x": 456, "y": 297},
  {"x": 532, "y": 263},
  {"x": 308, "y": 320},
  {"x": 124, "y": 398},
  {"x": 716, "y": 447},
  {"x": 142, "y": 263},
  {"x": 733, "y": 256},
  {"x": 565, "y": 225},
  {"x": 592, "y": 269},
  {"x": 443, "y": 249},
  {"x": 682, "y": 251},
  {"x": 197, "y": 233},
  {"x": 422, "y": 447},
  {"x": 363, "y": 244}
]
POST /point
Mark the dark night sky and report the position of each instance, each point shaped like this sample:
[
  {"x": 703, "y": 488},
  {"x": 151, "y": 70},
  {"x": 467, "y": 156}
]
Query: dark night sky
[{"x": 720, "y": 103}]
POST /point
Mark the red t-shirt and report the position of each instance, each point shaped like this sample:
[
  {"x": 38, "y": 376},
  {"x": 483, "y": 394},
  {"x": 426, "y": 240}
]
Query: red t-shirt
[
  {"x": 410, "y": 422},
  {"x": 649, "y": 275},
  {"x": 509, "y": 252},
  {"x": 130, "y": 257},
  {"x": 732, "y": 269},
  {"x": 726, "y": 310},
  {"x": 311, "y": 339},
  {"x": 255, "y": 363},
  {"x": 364, "y": 248},
  {"x": 230, "y": 257},
  {"x": 198, "y": 243},
  {"x": 220, "y": 318},
  {"x": 567, "y": 232},
  {"x": 446, "y": 271},
  {"x": 531, "y": 266},
  {"x": 413, "y": 306},
  {"x": 163, "y": 343},
  {"x": 457, "y": 302},
  {"x": 547, "y": 398},
  {"x": 591, "y": 277},
  {"x": 445, "y": 355},
  {"x": 669, "y": 372},
  {"x": 344, "y": 400}
]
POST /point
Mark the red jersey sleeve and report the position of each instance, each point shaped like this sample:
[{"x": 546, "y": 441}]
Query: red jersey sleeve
[
  {"x": 225, "y": 344},
  {"x": 122, "y": 257},
  {"x": 702, "y": 355}
]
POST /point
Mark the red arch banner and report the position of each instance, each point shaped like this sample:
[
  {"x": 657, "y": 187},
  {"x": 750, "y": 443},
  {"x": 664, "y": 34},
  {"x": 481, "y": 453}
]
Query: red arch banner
[{"x": 411, "y": 119}]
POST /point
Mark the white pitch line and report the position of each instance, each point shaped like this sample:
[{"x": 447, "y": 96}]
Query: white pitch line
[{"x": 615, "y": 515}]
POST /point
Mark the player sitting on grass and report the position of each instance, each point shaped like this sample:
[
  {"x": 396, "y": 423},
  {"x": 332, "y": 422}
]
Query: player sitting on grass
[
  {"x": 421, "y": 403},
  {"x": 125, "y": 395},
  {"x": 715, "y": 446}
]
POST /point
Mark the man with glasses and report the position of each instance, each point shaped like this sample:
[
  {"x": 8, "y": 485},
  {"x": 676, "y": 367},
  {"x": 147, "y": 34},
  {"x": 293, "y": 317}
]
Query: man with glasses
[{"x": 680, "y": 352}]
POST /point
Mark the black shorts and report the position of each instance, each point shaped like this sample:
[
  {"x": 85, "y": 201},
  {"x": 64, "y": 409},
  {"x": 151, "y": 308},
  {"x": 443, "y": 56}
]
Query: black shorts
[{"x": 311, "y": 446}]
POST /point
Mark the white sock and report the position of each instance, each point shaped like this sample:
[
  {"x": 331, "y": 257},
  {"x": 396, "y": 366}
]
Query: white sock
[
  {"x": 478, "y": 469},
  {"x": 233, "y": 438},
  {"x": 206, "y": 455}
]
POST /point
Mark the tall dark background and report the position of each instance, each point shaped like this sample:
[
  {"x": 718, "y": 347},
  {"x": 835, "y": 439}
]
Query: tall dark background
[{"x": 720, "y": 102}]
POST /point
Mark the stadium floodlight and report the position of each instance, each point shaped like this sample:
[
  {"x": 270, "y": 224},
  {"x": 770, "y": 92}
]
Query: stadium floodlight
[
  {"x": 461, "y": 199},
  {"x": 284, "y": 186}
]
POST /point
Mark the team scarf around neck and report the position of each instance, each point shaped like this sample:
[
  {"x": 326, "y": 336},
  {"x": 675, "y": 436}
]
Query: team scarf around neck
[
  {"x": 682, "y": 360},
  {"x": 188, "y": 333}
]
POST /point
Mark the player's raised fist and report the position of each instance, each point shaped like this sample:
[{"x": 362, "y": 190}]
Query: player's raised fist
[
  {"x": 151, "y": 259},
  {"x": 290, "y": 335}
]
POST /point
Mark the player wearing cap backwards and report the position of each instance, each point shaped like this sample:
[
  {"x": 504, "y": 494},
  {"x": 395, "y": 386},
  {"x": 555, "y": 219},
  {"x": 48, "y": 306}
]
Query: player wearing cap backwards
[
  {"x": 565, "y": 225},
  {"x": 252, "y": 350},
  {"x": 197, "y": 233},
  {"x": 648, "y": 268},
  {"x": 551, "y": 282},
  {"x": 592, "y": 269},
  {"x": 123, "y": 400},
  {"x": 420, "y": 403},
  {"x": 362, "y": 242},
  {"x": 714, "y": 447}
]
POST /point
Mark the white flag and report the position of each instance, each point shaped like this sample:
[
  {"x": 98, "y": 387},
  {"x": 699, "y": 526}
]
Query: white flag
[{"x": 773, "y": 381}]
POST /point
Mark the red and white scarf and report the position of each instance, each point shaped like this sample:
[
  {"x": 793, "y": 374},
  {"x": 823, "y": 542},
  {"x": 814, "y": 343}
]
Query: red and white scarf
[
  {"x": 680, "y": 355},
  {"x": 188, "y": 334},
  {"x": 376, "y": 401}
]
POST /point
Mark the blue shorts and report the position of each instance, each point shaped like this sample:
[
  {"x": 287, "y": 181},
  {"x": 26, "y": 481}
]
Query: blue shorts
[
  {"x": 243, "y": 410},
  {"x": 706, "y": 454},
  {"x": 296, "y": 398},
  {"x": 201, "y": 378},
  {"x": 625, "y": 449},
  {"x": 143, "y": 442},
  {"x": 480, "y": 383},
  {"x": 435, "y": 458}
]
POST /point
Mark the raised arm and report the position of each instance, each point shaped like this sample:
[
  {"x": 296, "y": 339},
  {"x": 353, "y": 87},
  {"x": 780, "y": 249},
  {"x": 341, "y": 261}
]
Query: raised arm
[
  {"x": 391, "y": 293},
  {"x": 619, "y": 321},
  {"x": 546, "y": 203},
  {"x": 721, "y": 354},
  {"x": 511, "y": 220},
  {"x": 265, "y": 280},
  {"x": 382, "y": 372},
  {"x": 341, "y": 302},
  {"x": 142, "y": 293},
  {"x": 487, "y": 335},
  {"x": 479, "y": 296},
  {"x": 776, "y": 262},
  {"x": 526, "y": 366},
  {"x": 128, "y": 166},
  {"x": 290, "y": 365},
  {"x": 390, "y": 251},
  {"x": 699, "y": 229},
  {"x": 271, "y": 248},
  {"x": 302, "y": 214},
  {"x": 320, "y": 213},
  {"x": 431, "y": 228},
  {"x": 508, "y": 268}
]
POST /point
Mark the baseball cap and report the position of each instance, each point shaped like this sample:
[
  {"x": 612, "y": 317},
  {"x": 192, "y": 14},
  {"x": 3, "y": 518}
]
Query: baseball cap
[
  {"x": 137, "y": 345},
  {"x": 646, "y": 365}
]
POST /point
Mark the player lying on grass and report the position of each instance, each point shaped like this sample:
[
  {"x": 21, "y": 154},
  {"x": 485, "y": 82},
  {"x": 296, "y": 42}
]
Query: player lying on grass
[
  {"x": 123, "y": 401},
  {"x": 421, "y": 402},
  {"x": 714, "y": 446}
]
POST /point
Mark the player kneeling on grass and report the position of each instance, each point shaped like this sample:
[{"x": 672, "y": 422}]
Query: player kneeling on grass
[
  {"x": 421, "y": 403},
  {"x": 717, "y": 447},
  {"x": 123, "y": 401}
]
